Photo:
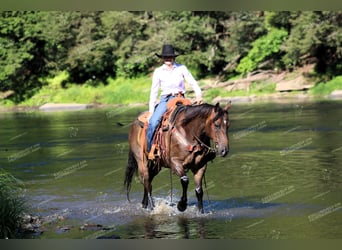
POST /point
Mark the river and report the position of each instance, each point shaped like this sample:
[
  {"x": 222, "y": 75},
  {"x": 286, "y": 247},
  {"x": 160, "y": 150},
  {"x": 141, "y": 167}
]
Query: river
[{"x": 281, "y": 179}]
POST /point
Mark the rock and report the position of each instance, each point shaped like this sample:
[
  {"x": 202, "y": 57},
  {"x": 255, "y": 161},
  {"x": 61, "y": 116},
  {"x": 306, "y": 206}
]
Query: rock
[
  {"x": 64, "y": 106},
  {"x": 298, "y": 83},
  {"x": 64, "y": 228},
  {"x": 241, "y": 99},
  {"x": 233, "y": 99},
  {"x": 91, "y": 227},
  {"x": 335, "y": 95},
  {"x": 30, "y": 225},
  {"x": 5, "y": 94}
]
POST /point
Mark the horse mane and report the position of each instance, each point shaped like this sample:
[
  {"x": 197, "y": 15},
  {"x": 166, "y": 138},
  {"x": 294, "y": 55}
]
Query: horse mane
[{"x": 203, "y": 111}]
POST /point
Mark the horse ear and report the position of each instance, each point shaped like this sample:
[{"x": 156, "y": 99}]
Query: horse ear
[
  {"x": 217, "y": 106},
  {"x": 229, "y": 104}
]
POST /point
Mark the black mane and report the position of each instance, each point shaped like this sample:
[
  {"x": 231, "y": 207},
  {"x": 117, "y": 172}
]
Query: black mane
[{"x": 203, "y": 111}]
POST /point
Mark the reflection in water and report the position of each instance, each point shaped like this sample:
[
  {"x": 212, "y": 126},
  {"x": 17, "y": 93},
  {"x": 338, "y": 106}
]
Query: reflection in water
[
  {"x": 274, "y": 180},
  {"x": 183, "y": 228}
]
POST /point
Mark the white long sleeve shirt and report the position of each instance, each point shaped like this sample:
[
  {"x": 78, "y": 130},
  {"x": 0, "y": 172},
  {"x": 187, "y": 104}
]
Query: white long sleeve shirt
[{"x": 171, "y": 82}]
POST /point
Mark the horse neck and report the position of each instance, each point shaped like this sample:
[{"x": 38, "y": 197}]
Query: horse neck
[{"x": 197, "y": 126}]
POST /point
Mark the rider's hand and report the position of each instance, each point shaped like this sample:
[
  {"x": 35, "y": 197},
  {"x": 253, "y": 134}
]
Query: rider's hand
[{"x": 199, "y": 100}]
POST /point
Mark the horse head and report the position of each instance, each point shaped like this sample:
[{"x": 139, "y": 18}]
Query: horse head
[{"x": 217, "y": 128}]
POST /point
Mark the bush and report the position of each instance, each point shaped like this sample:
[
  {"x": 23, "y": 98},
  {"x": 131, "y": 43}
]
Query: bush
[
  {"x": 327, "y": 87},
  {"x": 12, "y": 205},
  {"x": 262, "y": 48}
]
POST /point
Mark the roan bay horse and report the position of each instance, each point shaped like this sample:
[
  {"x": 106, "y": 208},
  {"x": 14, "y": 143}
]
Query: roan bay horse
[{"x": 187, "y": 146}]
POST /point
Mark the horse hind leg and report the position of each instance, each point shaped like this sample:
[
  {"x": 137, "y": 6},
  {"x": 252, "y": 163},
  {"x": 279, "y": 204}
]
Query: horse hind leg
[
  {"x": 147, "y": 181},
  {"x": 147, "y": 199}
]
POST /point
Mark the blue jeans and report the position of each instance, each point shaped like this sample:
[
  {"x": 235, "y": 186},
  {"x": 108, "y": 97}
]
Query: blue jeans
[{"x": 156, "y": 119}]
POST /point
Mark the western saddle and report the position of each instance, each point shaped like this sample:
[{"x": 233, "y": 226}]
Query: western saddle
[{"x": 158, "y": 145}]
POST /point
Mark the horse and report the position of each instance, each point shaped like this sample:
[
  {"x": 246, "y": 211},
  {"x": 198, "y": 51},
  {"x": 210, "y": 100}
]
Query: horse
[{"x": 187, "y": 146}]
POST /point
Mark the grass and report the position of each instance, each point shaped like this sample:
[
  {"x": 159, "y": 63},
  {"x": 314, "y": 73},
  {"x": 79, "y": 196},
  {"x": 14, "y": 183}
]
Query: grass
[
  {"x": 322, "y": 89},
  {"x": 127, "y": 91},
  {"x": 116, "y": 91},
  {"x": 12, "y": 205}
]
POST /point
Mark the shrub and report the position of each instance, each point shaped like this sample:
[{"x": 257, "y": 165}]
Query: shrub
[
  {"x": 12, "y": 205},
  {"x": 325, "y": 88},
  {"x": 262, "y": 48}
]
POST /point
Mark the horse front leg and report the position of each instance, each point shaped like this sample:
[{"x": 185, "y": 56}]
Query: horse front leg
[
  {"x": 198, "y": 176},
  {"x": 182, "y": 204}
]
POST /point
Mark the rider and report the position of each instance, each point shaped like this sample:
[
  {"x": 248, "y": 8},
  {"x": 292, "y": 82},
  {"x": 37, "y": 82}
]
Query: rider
[{"x": 170, "y": 79}]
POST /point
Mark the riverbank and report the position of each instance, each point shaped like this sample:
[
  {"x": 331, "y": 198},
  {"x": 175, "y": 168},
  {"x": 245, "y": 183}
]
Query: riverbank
[
  {"x": 258, "y": 87},
  {"x": 287, "y": 97}
]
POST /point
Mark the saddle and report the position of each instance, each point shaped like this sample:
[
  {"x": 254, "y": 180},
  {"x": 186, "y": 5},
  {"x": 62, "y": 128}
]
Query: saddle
[{"x": 158, "y": 146}]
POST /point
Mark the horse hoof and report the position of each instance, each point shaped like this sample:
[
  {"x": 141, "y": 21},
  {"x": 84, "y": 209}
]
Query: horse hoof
[{"x": 181, "y": 206}]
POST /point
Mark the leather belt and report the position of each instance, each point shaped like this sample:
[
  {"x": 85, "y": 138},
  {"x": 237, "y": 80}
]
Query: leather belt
[{"x": 173, "y": 94}]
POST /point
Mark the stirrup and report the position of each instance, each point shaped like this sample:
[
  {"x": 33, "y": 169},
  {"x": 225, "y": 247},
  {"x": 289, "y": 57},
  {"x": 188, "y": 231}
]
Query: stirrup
[{"x": 153, "y": 154}]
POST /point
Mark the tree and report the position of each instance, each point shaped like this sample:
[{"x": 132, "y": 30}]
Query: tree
[
  {"x": 241, "y": 29},
  {"x": 22, "y": 51},
  {"x": 263, "y": 48},
  {"x": 316, "y": 35}
]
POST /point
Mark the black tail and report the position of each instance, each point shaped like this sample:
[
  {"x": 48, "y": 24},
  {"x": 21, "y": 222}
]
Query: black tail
[{"x": 132, "y": 167}]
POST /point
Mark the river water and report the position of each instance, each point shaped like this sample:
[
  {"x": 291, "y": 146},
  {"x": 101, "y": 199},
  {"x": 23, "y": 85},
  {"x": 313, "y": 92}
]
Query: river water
[{"x": 281, "y": 179}]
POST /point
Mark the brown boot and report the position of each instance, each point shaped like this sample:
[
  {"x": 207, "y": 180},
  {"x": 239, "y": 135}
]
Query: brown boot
[{"x": 153, "y": 154}]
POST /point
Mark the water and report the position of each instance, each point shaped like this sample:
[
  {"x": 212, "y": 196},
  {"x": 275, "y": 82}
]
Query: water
[{"x": 281, "y": 179}]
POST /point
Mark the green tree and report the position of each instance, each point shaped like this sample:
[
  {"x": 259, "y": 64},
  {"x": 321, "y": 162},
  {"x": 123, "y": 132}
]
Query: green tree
[
  {"x": 316, "y": 35},
  {"x": 240, "y": 30},
  {"x": 89, "y": 58},
  {"x": 263, "y": 48},
  {"x": 21, "y": 51},
  {"x": 92, "y": 46}
]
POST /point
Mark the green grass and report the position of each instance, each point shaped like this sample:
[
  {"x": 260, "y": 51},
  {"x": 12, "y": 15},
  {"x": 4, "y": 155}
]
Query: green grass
[
  {"x": 6, "y": 103},
  {"x": 322, "y": 89},
  {"x": 116, "y": 91},
  {"x": 12, "y": 205},
  {"x": 137, "y": 90}
]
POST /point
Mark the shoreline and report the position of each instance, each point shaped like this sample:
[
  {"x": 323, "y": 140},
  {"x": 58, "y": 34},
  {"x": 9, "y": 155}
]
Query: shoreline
[{"x": 280, "y": 97}]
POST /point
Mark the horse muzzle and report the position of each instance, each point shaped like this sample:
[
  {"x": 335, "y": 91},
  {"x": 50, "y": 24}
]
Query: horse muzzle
[{"x": 222, "y": 151}]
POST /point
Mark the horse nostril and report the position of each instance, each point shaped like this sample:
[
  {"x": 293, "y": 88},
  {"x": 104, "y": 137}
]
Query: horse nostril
[{"x": 224, "y": 152}]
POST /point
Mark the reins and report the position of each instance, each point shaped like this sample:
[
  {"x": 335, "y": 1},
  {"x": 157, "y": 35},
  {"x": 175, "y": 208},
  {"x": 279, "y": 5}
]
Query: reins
[{"x": 202, "y": 144}]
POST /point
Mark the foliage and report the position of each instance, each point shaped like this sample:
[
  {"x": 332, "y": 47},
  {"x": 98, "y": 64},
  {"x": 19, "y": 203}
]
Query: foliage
[
  {"x": 92, "y": 46},
  {"x": 262, "y": 48},
  {"x": 114, "y": 91},
  {"x": 328, "y": 87},
  {"x": 318, "y": 35},
  {"x": 12, "y": 205}
]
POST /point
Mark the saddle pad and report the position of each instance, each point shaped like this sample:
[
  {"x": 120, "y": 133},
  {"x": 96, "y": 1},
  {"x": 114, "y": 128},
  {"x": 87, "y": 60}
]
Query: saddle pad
[{"x": 143, "y": 117}]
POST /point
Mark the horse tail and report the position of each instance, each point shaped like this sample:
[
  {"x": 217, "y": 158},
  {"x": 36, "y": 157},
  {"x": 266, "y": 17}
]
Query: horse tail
[{"x": 132, "y": 167}]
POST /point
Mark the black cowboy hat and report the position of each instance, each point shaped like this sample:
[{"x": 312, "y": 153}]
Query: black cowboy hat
[{"x": 167, "y": 51}]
